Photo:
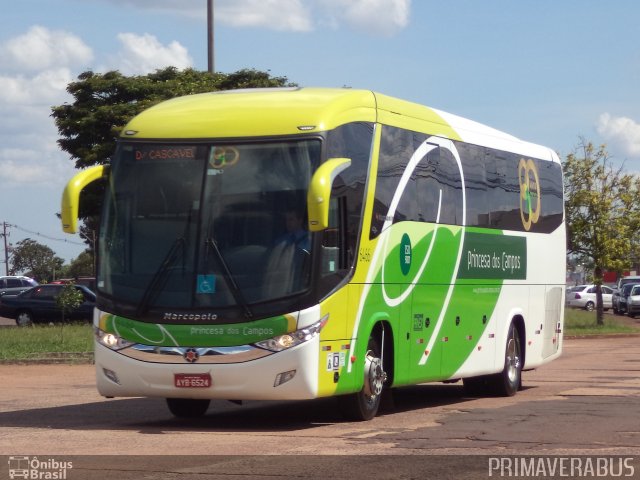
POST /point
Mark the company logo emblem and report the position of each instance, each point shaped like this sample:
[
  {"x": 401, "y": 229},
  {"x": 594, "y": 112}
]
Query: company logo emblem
[
  {"x": 191, "y": 355},
  {"x": 529, "y": 193},
  {"x": 222, "y": 157},
  {"x": 405, "y": 254}
]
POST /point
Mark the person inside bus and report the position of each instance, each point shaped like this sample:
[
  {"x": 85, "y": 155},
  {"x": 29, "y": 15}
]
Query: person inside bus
[{"x": 296, "y": 234}]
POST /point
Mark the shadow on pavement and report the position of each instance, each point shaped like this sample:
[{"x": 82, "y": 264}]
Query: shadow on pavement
[{"x": 150, "y": 415}]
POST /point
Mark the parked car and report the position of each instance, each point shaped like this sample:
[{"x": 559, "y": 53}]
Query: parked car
[
  {"x": 584, "y": 296},
  {"x": 39, "y": 304},
  {"x": 13, "y": 285},
  {"x": 633, "y": 301},
  {"x": 619, "y": 300},
  {"x": 628, "y": 279}
]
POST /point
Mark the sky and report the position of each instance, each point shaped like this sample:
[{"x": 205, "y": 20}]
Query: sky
[{"x": 550, "y": 72}]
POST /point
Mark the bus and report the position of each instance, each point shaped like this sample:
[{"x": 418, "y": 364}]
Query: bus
[{"x": 297, "y": 243}]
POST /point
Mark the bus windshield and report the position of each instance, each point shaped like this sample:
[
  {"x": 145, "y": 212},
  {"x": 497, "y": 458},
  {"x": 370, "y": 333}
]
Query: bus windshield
[{"x": 203, "y": 226}]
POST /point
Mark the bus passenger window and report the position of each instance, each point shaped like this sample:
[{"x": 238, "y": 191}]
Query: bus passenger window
[{"x": 333, "y": 245}]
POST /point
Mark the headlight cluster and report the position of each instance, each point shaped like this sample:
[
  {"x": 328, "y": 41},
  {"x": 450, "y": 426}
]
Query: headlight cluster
[
  {"x": 288, "y": 340},
  {"x": 111, "y": 341}
]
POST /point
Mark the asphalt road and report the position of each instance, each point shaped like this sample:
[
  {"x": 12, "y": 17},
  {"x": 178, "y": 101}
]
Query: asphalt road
[{"x": 585, "y": 403}]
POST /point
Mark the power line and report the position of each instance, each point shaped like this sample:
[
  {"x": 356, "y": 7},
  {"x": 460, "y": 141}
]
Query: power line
[{"x": 43, "y": 235}]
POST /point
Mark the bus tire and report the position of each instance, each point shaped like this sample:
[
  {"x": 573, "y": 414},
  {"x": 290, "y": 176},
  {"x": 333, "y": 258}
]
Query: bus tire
[
  {"x": 188, "y": 407},
  {"x": 364, "y": 404},
  {"x": 508, "y": 382}
]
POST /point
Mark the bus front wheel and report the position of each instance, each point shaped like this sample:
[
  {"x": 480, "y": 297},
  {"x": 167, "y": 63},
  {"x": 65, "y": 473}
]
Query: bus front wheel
[
  {"x": 364, "y": 404},
  {"x": 188, "y": 407}
]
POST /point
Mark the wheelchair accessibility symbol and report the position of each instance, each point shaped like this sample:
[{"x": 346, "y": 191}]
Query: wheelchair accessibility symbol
[{"x": 206, "y": 284}]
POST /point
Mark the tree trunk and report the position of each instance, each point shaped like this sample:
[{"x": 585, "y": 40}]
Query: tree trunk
[{"x": 599, "y": 306}]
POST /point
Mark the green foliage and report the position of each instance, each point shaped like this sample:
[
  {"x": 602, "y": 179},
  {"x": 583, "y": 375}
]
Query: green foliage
[
  {"x": 580, "y": 322},
  {"x": 82, "y": 266},
  {"x": 69, "y": 299},
  {"x": 602, "y": 210},
  {"x": 35, "y": 259},
  {"x": 44, "y": 342}
]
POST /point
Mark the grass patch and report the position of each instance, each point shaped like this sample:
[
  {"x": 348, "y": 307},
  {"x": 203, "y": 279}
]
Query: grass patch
[
  {"x": 581, "y": 322},
  {"x": 61, "y": 342},
  {"x": 70, "y": 343}
]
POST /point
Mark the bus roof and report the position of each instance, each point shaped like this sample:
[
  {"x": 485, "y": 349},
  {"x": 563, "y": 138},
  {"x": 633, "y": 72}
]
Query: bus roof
[{"x": 290, "y": 111}]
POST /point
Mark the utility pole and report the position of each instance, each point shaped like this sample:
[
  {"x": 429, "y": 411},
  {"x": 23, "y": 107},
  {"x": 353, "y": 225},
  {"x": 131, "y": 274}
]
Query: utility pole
[
  {"x": 211, "y": 64},
  {"x": 6, "y": 252}
]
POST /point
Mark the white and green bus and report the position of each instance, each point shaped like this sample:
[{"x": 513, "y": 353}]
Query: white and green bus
[{"x": 303, "y": 243}]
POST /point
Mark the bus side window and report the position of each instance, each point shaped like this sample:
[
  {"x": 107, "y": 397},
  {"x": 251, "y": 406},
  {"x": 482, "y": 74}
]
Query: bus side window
[{"x": 334, "y": 254}]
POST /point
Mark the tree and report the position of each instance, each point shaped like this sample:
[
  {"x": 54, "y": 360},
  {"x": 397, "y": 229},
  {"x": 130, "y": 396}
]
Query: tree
[
  {"x": 104, "y": 103},
  {"x": 602, "y": 211},
  {"x": 83, "y": 265},
  {"x": 39, "y": 261},
  {"x": 69, "y": 299}
]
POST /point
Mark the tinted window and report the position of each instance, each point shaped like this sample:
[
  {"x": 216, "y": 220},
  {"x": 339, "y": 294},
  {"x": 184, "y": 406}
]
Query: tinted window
[
  {"x": 46, "y": 292},
  {"x": 431, "y": 190},
  {"x": 396, "y": 148},
  {"x": 510, "y": 192},
  {"x": 350, "y": 141}
]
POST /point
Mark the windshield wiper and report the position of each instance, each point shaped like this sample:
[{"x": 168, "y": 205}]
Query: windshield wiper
[
  {"x": 160, "y": 277},
  {"x": 228, "y": 276}
]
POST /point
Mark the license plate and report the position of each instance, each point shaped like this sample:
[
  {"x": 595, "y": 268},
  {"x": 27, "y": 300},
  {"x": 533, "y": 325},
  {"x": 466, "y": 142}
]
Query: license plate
[{"x": 192, "y": 380}]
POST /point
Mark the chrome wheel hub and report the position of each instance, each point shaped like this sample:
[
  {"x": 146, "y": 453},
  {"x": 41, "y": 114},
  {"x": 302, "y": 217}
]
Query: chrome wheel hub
[
  {"x": 374, "y": 375},
  {"x": 513, "y": 360}
]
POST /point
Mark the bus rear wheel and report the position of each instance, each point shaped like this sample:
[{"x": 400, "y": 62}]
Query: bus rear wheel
[
  {"x": 508, "y": 382},
  {"x": 188, "y": 407},
  {"x": 364, "y": 404}
]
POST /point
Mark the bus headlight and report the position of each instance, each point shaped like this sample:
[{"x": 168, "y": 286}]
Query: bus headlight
[
  {"x": 111, "y": 340},
  {"x": 288, "y": 340}
]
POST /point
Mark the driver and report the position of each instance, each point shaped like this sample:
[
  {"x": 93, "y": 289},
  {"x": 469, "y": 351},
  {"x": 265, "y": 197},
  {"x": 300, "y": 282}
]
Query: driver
[{"x": 296, "y": 233}]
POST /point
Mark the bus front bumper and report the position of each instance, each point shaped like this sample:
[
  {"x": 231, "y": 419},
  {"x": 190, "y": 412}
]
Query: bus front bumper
[{"x": 287, "y": 375}]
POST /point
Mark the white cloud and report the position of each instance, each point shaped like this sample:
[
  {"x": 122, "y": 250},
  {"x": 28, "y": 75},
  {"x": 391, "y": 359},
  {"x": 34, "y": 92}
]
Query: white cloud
[
  {"x": 43, "y": 88},
  {"x": 40, "y": 49},
  {"x": 189, "y": 8},
  {"x": 376, "y": 17},
  {"x": 624, "y": 131},
  {"x": 142, "y": 54},
  {"x": 281, "y": 15},
  {"x": 36, "y": 67},
  {"x": 36, "y": 71}
]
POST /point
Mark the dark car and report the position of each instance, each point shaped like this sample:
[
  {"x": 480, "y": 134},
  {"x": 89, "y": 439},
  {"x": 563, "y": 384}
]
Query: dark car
[
  {"x": 39, "y": 304},
  {"x": 13, "y": 285},
  {"x": 619, "y": 299}
]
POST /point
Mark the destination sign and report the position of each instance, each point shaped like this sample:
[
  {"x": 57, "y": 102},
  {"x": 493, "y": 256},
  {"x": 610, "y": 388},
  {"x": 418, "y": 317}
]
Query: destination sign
[{"x": 165, "y": 153}]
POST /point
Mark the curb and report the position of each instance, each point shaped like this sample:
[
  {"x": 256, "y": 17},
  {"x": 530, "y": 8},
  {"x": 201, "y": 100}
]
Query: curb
[
  {"x": 56, "y": 358},
  {"x": 601, "y": 336}
]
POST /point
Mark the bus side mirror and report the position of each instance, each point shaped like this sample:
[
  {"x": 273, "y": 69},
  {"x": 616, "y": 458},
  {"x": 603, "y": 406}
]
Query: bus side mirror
[
  {"x": 71, "y": 195},
  {"x": 320, "y": 192}
]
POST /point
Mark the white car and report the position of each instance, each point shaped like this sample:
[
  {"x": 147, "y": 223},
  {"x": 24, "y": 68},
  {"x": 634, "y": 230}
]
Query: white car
[{"x": 584, "y": 296}]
